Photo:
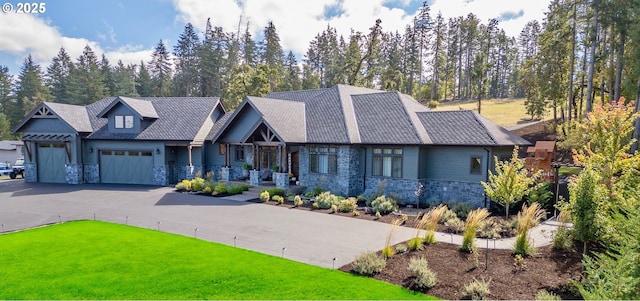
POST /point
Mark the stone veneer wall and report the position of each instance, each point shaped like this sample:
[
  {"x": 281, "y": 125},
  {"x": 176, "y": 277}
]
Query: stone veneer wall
[
  {"x": 403, "y": 188},
  {"x": 281, "y": 179},
  {"x": 160, "y": 175},
  {"x": 186, "y": 172},
  {"x": 30, "y": 172},
  {"x": 217, "y": 172},
  {"x": 92, "y": 173},
  {"x": 347, "y": 181},
  {"x": 438, "y": 191},
  {"x": 254, "y": 178},
  {"x": 73, "y": 173}
]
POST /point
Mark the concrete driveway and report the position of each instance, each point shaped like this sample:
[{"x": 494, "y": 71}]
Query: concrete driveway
[{"x": 308, "y": 237}]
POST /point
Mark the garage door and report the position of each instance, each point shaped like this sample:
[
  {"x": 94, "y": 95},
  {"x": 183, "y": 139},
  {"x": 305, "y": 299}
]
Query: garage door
[
  {"x": 126, "y": 167},
  {"x": 51, "y": 160}
]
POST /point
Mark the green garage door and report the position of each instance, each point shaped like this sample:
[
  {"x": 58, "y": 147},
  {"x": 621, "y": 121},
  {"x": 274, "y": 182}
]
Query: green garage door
[
  {"x": 126, "y": 167},
  {"x": 51, "y": 160}
]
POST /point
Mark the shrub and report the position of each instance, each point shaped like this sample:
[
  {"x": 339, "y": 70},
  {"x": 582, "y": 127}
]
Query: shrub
[
  {"x": 384, "y": 205},
  {"x": 447, "y": 215},
  {"x": 182, "y": 187},
  {"x": 207, "y": 190},
  {"x": 461, "y": 209},
  {"x": 315, "y": 192},
  {"x": 401, "y": 248},
  {"x": 275, "y": 191},
  {"x": 297, "y": 201},
  {"x": 368, "y": 264},
  {"x": 348, "y": 205},
  {"x": 547, "y": 296},
  {"x": 433, "y": 104},
  {"x": 378, "y": 215},
  {"x": 429, "y": 222},
  {"x": 264, "y": 196},
  {"x": 455, "y": 225},
  {"x": 356, "y": 213},
  {"x": 416, "y": 244},
  {"x": 425, "y": 278},
  {"x": 471, "y": 227},
  {"x": 334, "y": 208},
  {"x": 237, "y": 189},
  {"x": 388, "y": 251},
  {"x": 519, "y": 263},
  {"x": 489, "y": 228},
  {"x": 325, "y": 200},
  {"x": 278, "y": 198},
  {"x": 315, "y": 205},
  {"x": 197, "y": 184},
  {"x": 477, "y": 289},
  {"x": 221, "y": 188},
  {"x": 563, "y": 238},
  {"x": 186, "y": 184}
]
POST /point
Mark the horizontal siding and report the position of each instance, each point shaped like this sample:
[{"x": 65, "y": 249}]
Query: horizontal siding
[
  {"x": 453, "y": 163},
  {"x": 410, "y": 160},
  {"x": 241, "y": 125},
  {"x": 46, "y": 125}
]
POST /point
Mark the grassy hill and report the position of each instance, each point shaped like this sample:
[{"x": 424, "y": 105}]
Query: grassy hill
[{"x": 505, "y": 112}]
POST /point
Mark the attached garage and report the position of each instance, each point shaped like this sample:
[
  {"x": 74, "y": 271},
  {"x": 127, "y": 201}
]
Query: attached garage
[
  {"x": 51, "y": 160},
  {"x": 126, "y": 167}
]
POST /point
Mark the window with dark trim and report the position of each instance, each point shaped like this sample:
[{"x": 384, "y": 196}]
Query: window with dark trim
[
  {"x": 268, "y": 156},
  {"x": 323, "y": 159},
  {"x": 387, "y": 162},
  {"x": 476, "y": 165},
  {"x": 123, "y": 122},
  {"x": 239, "y": 151}
]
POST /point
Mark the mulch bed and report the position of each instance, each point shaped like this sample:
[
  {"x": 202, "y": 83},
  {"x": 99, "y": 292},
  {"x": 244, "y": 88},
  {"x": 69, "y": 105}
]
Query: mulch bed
[{"x": 548, "y": 270}]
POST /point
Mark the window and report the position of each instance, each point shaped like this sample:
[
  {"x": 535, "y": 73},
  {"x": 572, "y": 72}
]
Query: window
[
  {"x": 476, "y": 165},
  {"x": 387, "y": 162},
  {"x": 146, "y": 154},
  {"x": 268, "y": 156},
  {"x": 323, "y": 160},
  {"x": 123, "y": 122},
  {"x": 239, "y": 153}
]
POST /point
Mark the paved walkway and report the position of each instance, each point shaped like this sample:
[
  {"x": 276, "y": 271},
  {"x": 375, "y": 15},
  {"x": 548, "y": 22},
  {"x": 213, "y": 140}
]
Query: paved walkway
[{"x": 305, "y": 236}]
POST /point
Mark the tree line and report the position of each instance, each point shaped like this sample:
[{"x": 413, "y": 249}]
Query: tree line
[{"x": 582, "y": 51}]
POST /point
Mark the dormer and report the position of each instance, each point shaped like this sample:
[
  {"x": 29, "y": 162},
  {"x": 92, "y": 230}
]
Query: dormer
[{"x": 128, "y": 115}]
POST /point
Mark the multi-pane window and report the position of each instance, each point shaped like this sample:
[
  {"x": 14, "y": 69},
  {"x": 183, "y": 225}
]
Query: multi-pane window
[
  {"x": 239, "y": 153},
  {"x": 387, "y": 162},
  {"x": 268, "y": 156},
  {"x": 476, "y": 165},
  {"x": 323, "y": 159},
  {"x": 123, "y": 122}
]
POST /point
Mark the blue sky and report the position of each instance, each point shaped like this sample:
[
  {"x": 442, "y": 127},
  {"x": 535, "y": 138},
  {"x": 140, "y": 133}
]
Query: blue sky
[{"x": 129, "y": 30}]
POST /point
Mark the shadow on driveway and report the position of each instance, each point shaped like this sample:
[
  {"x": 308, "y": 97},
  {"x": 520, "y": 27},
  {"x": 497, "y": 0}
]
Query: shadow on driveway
[
  {"x": 186, "y": 199},
  {"x": 21, "y": 188}
]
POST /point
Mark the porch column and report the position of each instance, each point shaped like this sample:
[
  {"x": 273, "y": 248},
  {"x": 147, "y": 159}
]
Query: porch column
[{"x": 189, "y": 148}]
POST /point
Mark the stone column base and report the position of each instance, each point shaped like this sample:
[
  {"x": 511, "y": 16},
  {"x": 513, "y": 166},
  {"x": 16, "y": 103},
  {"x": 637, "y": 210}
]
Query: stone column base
[
  {"x": 254, "y": 178},
  {"x": 281, "y": 179}
]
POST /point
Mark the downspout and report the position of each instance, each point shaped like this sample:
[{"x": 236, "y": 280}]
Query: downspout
[
  {"x": 487, "y": 175},
  {"x": 364, "y": 174}
]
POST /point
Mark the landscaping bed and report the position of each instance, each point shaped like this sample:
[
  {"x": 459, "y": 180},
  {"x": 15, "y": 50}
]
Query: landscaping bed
[{"x": 548, "y": 270}]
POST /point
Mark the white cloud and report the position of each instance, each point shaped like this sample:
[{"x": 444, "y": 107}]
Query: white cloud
[{"x": 37, "y": 37}]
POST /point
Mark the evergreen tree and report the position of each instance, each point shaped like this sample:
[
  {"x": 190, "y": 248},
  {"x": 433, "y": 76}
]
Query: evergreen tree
[
  {"x": 107, "y": 75},
  {"x": 5, "y": 128},
  {"x": 124, "y": 80},
  {"x": 187, "y": 63},
  {"x": 211, "y": 55},
  {"x": 246, "y": 81},
  {"x": 292, "y": 79},
  {"x": 160, "y": 71},
  {"x": 272, "y": 56},
  {"x": 29, "y": 91},
  {"x": 144, "y": 82},
  {"x": 57, "y": 77},
  {"x": 248, "y": 48},
  {"x": 6, "y": 98},
  {"x": 88, "y": 83}
]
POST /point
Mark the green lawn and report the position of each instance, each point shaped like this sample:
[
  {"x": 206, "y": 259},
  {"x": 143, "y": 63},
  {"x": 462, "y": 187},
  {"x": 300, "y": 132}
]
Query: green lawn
[
  {"x": 505, "y": 112},
  {"x": 97, "y": 260}
]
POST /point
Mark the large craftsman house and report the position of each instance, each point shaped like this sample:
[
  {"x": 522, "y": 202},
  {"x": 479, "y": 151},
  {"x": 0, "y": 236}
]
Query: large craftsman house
[{"x": 345, "y": 139}]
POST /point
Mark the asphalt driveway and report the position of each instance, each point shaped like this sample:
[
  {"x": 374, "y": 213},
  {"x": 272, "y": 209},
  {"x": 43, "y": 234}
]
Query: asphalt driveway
[{"x": 307, "y": 236}]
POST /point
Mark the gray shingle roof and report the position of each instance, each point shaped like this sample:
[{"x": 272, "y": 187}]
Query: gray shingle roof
[
  {"x": 466, "y": 128},
  {"x": 75, "y": 116},
  {"x": 285, "y": 117},
  {"x": 382, "y": 119},
  {"x": 179, "y": 118},
  {"x": 217, "y": 126},
  {"x": 143, "y": 108}
]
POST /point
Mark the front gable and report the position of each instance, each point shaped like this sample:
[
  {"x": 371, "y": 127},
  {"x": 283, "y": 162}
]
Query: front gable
[
  {"x": 44, "y": 120},
  {"x": 243, "y": 121},
  {"x": 122, "y": 119}
]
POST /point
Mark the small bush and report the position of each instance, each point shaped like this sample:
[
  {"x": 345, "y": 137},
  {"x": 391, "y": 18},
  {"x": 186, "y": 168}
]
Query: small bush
[
  {"x": 237, "y": 189},
  {"x": 563, "y": 239},
  {"x": 197, "y": 184},
  {"x": 388, "y": 251},
  {"x": 356, "y": 213},
  {"x": 314, "y": 192},
  {"x": 278, "y": 198},
  {"x": 384, "y": 205},
  {"x": 181, "y": 187},
  {"x": 433, "y": 104},
  {"x": 325, "y": 200},
  {"x": 477, "y": 289},
  {"x": 348, "y": 205},
  {"x": 401, "y": 248},
  {"x": 489, "y": 228},
  {"x": 425, "y": 278},
  {"x": 275, "y": 191},
  {"x": 207, "y": 190},
  {"x": 186, "y": 184},
  {"x": 334, "y": 208},
  {"x": 461, "y": 209},
  {"x": 447, "y": 215},
  {"x": 315, "y": 205},
  {"x": 416, "y": 244},
  {"x": 368, "y": 264},
  {"x": 297, "y": 201},
  {"x": 455, "y": 225},
  {"x": 519, "y": 263},
  {"x": 221, "y": 188},
  {"x": 264, "y": 196},
  {"x": 378, "y": 215},
  {"x": 547, "y": 296}
]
